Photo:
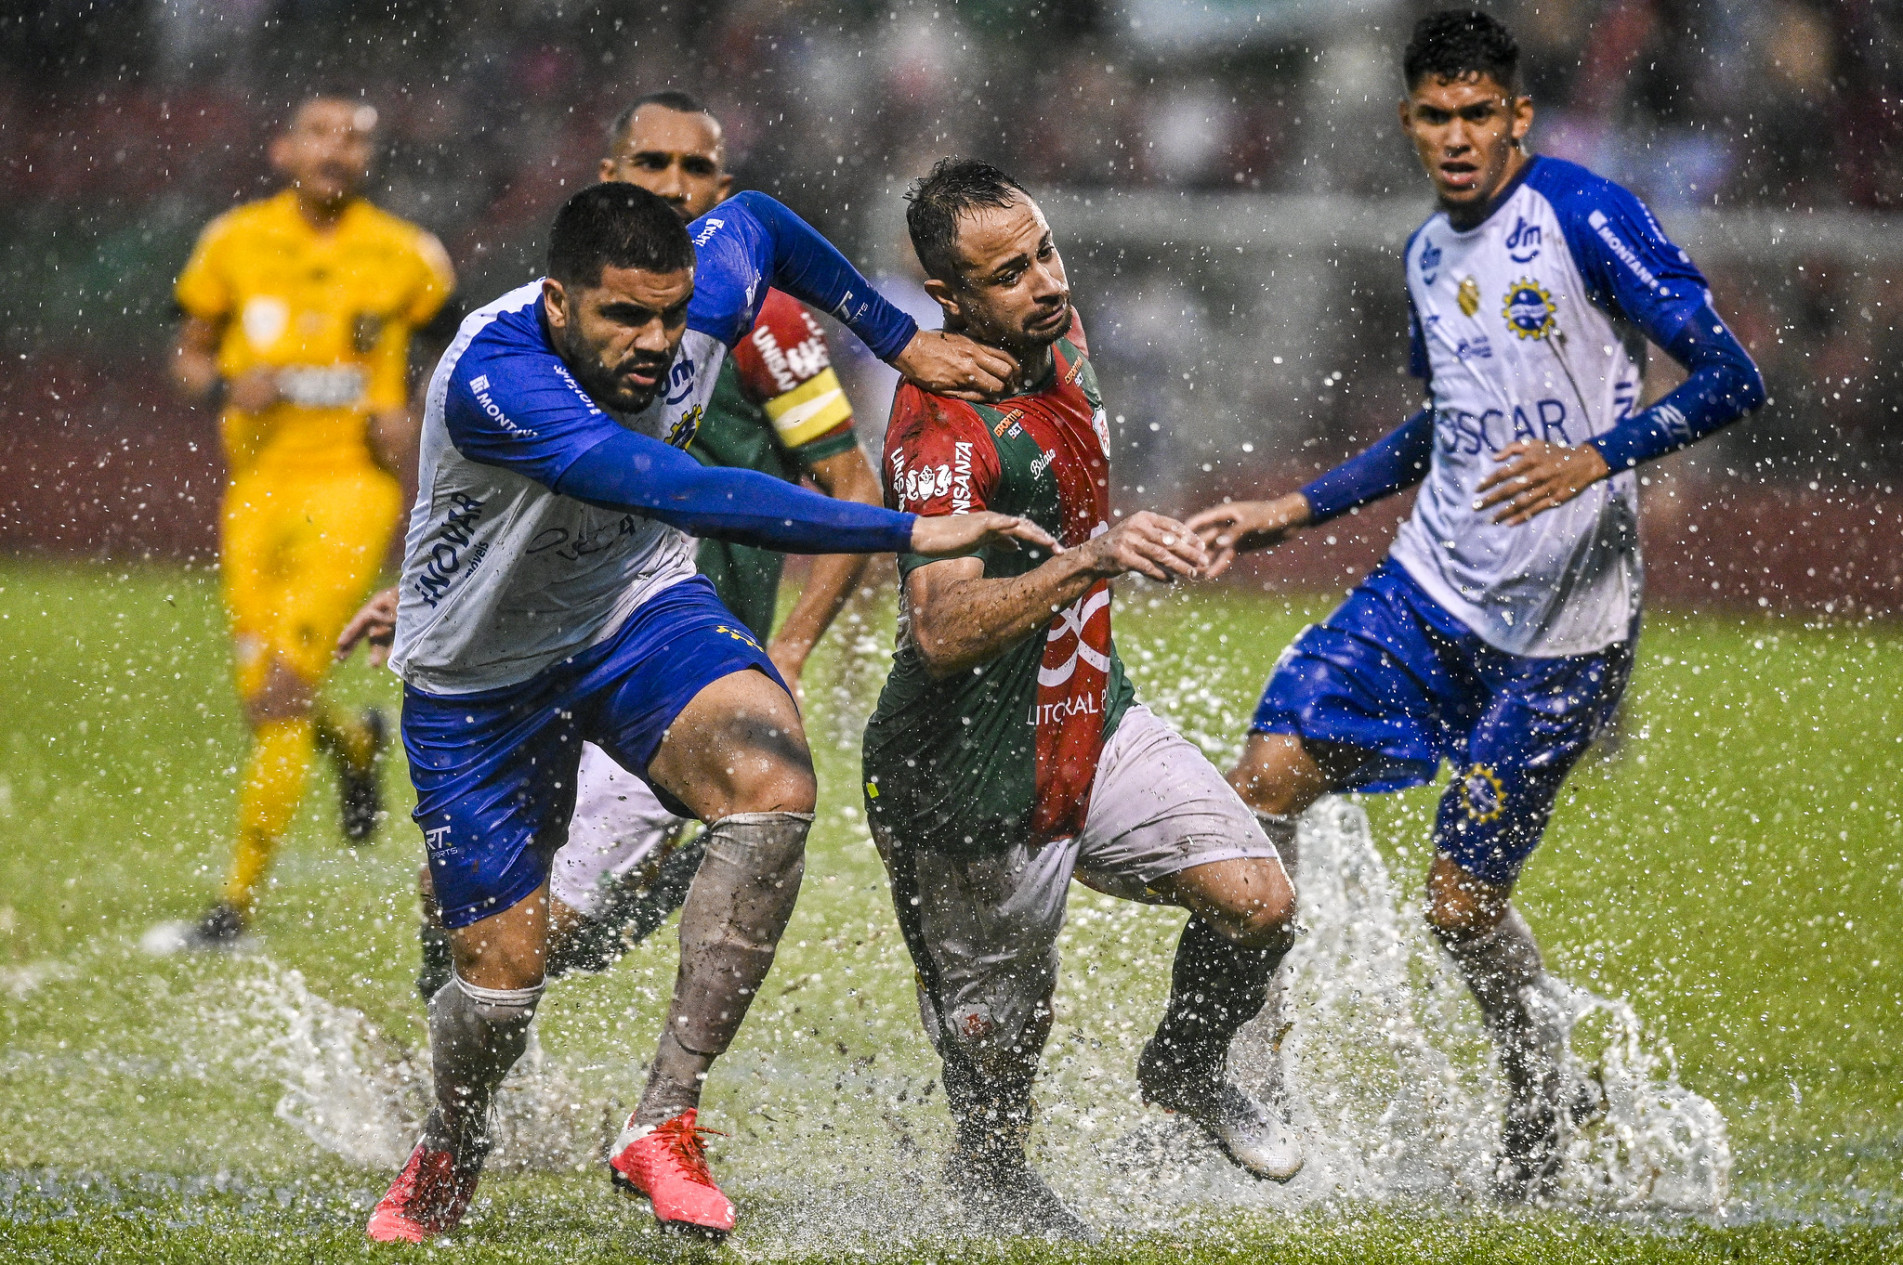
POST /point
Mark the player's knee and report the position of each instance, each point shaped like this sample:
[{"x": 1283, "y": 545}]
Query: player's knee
[
  {"x": 1269, "y": 925},
  {"x": 282, "y": 695},
  {"x": 1265, "y": 921},
  {"x": 1455, "y": 917},
  {"x": 1460, "y": 905},
  {"x": 1273, "y": 776},
  {"x": 783, "y": 786}
]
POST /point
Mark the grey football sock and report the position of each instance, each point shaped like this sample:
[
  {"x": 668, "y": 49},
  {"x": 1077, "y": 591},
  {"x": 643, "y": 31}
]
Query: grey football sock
[
  {"x": 476, "y": 1035},
  {"x": 1503, "y": 968},
  {"x": 1282, "y": 833},
  {"x": 736, "y": 909}
]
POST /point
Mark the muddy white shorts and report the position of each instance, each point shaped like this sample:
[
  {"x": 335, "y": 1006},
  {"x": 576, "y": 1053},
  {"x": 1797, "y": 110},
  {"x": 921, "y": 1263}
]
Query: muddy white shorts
[
  {"x": 983, "y": 930},
  {"x": 618, "y": 826}
]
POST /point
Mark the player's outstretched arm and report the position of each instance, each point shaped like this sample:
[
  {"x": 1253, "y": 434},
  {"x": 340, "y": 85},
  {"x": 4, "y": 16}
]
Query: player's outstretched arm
[
  {"x": 845, "y": 476},
  {"x": 636, "y": 474},
  {"x": 374, "y": 622},
  {"x": 1245, "y": 526},
  {"x": 960, "y": 619},
  {"x": 1398, "y": 461},
  {"x": 751, "y": 242}
]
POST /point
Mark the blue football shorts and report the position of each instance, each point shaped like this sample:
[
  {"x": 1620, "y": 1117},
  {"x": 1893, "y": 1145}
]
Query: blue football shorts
[
  {"x": 1396, "y": 675},
  {"x": 495, "y": 771}
]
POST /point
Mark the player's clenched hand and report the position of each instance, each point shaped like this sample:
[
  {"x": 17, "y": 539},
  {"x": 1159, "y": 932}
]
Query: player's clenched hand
[
  {"x": 1151, "y": 545},
  {"x": 1535, "y": 476},
  {"x": 951, "y": 364},
  {"x": 375, "y": 623},
  {"x": 948, "y": 535},
  {"x": 1240, "y": 526}
]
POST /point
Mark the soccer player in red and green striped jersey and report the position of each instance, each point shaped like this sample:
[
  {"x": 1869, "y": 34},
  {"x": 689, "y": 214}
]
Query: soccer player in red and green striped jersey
[{"x": 1008, "y": 751}]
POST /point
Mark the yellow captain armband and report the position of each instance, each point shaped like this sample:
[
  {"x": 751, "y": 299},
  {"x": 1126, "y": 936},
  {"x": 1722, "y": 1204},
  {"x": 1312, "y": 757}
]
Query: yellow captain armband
[{"x": 809, "y": 410}]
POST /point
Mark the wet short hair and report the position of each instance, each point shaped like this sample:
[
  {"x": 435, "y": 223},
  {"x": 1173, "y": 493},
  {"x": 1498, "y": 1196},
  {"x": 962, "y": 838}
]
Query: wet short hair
[
  {"x": 955, "y": 187},
  {"x": 667, "y": 98},
  {"x": 1455, "y": 43},
  {"x": 618, "y": 225}
]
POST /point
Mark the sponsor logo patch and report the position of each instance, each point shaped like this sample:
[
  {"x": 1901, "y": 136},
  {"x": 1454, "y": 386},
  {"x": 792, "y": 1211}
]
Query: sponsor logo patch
[
  {"x": 921, "y": 484},
  {"x": 365, "y": 331},
  {"x": 265, "y": 319},
  {"x": 791, "y": 366},
  {"x": 1523, "y": 243}
]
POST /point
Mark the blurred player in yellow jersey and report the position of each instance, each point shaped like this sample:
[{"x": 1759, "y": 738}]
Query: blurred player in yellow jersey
[{"x": 298, "y": 316}]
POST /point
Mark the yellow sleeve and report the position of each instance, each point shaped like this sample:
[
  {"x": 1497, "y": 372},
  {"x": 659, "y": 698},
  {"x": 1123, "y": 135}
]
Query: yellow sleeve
[
  {"x": 389, "y": 368},
  {"x": 389, "y": 361},
  {"x": 437, "y": 279},
  {"x": 203, "y": 289},
  {"x": 809, "y": 410}
]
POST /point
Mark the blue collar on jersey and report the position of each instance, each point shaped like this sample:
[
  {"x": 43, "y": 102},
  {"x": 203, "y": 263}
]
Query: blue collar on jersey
[{"x": 1501, "y": 198}]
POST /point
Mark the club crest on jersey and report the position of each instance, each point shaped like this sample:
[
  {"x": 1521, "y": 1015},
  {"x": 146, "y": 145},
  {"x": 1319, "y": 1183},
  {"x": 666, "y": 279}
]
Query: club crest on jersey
[
  {"x": 682, "y": 432},
  {"x": 1468, "y": 296},
  {"x": 1481, "y": 795},
  {"x": 1529, "y": 309}
]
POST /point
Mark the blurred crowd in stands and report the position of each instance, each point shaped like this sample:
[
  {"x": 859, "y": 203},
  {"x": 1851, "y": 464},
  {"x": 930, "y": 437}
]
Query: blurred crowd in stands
[{"x": 126, "y": 124}]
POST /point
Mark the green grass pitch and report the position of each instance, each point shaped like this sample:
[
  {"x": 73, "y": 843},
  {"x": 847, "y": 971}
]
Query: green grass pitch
[{"x": 1733, "y": 872}]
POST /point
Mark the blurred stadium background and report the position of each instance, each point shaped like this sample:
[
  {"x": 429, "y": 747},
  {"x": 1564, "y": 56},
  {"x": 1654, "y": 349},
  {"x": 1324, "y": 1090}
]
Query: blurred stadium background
[{"x": 1225, "y": 178}]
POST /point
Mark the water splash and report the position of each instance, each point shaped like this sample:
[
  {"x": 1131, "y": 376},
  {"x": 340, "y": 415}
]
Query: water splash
[
  {"x": 363, "y": 1098},
  {"x": 1393, "y": 1084}
]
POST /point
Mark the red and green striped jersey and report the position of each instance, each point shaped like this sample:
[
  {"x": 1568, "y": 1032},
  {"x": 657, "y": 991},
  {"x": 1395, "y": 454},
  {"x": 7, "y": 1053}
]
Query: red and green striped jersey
[{"x": 1004, "y": 752}]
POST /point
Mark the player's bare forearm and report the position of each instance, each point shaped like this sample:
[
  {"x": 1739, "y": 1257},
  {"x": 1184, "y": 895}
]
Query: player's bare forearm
[
  {"x": 960, "y": 619},
  {"x": 374, "y": 622},
  {"x": 393, "y": 442},
  {"x": 844, "y": 476},
  {"x": 195, "y": 359},
  {"x": 1535, "y": 476}
]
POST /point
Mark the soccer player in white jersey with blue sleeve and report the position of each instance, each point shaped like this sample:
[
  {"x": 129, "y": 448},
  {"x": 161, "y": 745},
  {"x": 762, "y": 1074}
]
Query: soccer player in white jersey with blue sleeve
[
  {"x": 549, "y": 598},
  {"x": 1498, "y": 635}
]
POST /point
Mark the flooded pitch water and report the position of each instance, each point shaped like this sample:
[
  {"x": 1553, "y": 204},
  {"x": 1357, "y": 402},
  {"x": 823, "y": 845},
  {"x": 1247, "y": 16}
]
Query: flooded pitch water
[{"x": 1393, "y": 1090}]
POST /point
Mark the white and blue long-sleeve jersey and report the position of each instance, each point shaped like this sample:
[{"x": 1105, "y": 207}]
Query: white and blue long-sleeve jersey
[
  {"x": 542, "y": 521},
  {"x": 1532, "y": 325}
]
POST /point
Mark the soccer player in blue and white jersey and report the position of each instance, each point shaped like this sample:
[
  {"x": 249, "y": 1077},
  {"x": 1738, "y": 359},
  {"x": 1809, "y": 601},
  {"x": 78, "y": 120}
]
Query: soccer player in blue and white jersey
[
  {"x": 549, "y": 598},
  {"x": 1498, "y": 635}
]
